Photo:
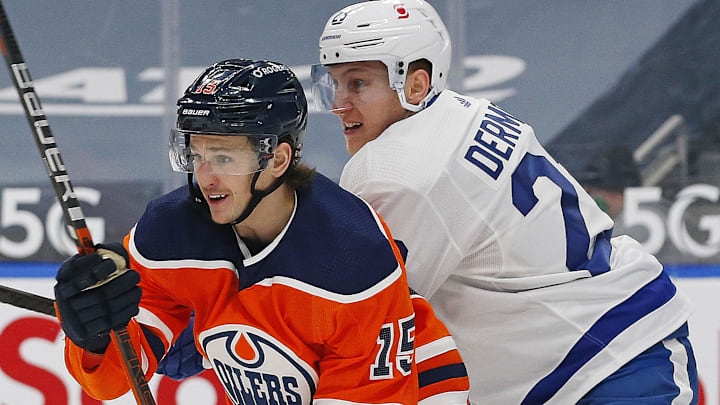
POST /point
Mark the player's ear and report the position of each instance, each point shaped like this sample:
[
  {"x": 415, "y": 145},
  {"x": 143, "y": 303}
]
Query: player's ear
[
  {"x": 417, "y": 86},
  {"x": 281, "y": 162}
]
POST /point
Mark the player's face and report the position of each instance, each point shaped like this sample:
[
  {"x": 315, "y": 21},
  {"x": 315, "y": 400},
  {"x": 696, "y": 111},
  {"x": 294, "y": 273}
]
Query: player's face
[
  {"x": 364, "y": 101},
  {"x": 227, "y": 195}
]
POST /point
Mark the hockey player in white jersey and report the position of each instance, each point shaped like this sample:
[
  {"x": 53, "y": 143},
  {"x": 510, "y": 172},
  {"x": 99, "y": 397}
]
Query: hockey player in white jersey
[{"x": 515, "y": 257}]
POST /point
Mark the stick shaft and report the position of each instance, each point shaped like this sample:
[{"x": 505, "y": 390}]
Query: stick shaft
[
  {"x": 63, "y": 188},
  {"x": 26, "y": 300}
]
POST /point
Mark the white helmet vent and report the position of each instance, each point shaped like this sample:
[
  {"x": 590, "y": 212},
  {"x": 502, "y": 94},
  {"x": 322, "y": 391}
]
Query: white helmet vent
[{"x": 365, "y": 43}]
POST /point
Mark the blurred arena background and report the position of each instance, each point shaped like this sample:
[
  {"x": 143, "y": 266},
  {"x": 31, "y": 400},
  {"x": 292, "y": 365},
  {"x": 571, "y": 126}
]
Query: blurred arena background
[{"x": 626, "y": 95}]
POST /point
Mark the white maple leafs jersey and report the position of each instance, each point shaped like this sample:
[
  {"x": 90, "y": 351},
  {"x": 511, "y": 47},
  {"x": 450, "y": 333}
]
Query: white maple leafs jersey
[{"x": 515, "y": 257}]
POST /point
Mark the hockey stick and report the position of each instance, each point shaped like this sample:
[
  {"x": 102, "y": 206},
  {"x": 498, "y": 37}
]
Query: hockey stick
[
  {"x": 63, "y": 189},
  {"x": 27, "y": 300}
]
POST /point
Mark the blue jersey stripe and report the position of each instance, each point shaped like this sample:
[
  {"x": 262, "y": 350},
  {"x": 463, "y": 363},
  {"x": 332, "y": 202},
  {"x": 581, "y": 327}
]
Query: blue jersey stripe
[
  {"x": 692, "y": 270},
  {"x": 644, "y": 301},
  {"x": 443, "y": 373},
  {"x": 48, "y": 269},
  {"x": 649, "y": 378}
]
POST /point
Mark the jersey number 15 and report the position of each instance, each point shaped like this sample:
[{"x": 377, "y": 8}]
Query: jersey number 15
[{"x": 382, "y": 368}]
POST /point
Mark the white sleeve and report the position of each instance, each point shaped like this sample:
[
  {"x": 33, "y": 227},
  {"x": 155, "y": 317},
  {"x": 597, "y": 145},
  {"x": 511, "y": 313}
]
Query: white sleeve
[{"x": 412, "y": 218}]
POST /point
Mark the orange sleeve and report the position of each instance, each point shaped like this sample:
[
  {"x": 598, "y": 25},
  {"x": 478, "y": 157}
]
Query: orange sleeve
[
  {"x": 442, "y": 376},
  {"x": 365, "y": 360},
  {"x": 106, "y": 380},
  {"x": 103, "y": 377}
]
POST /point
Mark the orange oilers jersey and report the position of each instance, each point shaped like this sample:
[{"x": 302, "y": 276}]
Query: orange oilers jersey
[
  {"x": 321, "y": 315},
  {"x": 442, "y": 377}
]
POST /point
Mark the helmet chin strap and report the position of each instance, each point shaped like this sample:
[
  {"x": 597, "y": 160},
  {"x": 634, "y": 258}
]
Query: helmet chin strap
[{"x": 256, "y": 196}]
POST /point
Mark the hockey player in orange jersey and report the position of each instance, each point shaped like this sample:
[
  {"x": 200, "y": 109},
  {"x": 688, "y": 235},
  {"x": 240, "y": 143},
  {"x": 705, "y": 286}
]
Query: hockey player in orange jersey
[{"x": 298, "y": 290}]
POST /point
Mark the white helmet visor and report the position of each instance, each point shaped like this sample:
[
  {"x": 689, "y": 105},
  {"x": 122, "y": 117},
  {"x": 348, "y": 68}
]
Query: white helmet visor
[
  {"x": 236, "y": 154},
  {"x": 336, "y": 88}
]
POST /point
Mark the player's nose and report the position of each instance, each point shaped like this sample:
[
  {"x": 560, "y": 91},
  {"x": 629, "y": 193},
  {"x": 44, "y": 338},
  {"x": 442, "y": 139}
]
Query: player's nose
[
  {"x": 204, "y": 174},
  {"x": 341, "y": 103}
]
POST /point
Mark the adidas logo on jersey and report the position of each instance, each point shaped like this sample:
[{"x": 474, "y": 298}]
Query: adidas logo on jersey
[
  {"x": 255, "y": 368},
  {"x": 464, "y": 102}
]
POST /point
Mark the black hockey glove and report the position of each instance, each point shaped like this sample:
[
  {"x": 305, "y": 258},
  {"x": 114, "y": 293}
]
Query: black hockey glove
[
  {"x": 182, "y": 360},
  {"x": 93, "y": 297}
]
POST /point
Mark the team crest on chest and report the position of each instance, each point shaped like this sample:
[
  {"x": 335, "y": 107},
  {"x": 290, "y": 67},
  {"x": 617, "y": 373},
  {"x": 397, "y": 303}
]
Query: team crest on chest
[{"x": 255, "y": 368}]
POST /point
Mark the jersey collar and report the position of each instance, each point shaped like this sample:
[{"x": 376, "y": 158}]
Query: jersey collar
[{"x": 249, "y": 259}]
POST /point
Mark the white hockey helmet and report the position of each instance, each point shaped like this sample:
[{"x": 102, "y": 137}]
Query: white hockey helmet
[{"x": 394, "y": 32}]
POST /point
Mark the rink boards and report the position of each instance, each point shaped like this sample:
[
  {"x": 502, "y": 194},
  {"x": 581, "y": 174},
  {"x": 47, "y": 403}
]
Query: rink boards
[{"x": 32, "y": 370}]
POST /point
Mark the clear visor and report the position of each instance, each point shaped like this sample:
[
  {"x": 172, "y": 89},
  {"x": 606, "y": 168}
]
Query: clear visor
[
  {"x": 341, "y": 89},
  {"x": 191, "y": 152}
]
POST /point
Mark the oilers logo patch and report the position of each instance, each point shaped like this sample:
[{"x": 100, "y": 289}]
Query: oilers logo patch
[{"x": 255, "y": 368}]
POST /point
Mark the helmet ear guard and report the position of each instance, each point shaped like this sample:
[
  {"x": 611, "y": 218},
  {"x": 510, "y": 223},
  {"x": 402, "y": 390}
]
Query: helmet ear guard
[
  {"x": 394, "y": 33},
  {"x": 397, "y": 75}
]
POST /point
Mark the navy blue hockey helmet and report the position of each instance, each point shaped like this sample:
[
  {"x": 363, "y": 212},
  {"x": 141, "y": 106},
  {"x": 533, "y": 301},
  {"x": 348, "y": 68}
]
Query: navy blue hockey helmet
[
  {"x": 259, "y": 99},
  {"x": 253, "y": 98}
]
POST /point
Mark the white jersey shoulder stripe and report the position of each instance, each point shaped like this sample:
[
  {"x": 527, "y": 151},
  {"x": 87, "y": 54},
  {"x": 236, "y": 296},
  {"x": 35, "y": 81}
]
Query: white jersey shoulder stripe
[
  {"x": 377, "y": 218},
  {"x": 175, "y": 264},
  {"x": 331, "y": 296},
  {"x": 146, "y": 317},
  {"x": 372, "y": 211}
]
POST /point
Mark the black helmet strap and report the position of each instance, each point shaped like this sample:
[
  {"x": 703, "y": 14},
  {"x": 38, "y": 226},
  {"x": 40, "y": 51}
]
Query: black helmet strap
[{"x": 256, "y": 196}]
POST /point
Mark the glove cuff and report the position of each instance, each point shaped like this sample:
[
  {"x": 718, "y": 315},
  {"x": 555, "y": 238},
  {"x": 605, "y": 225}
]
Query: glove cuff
[{"x": 96, "y": 345}]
